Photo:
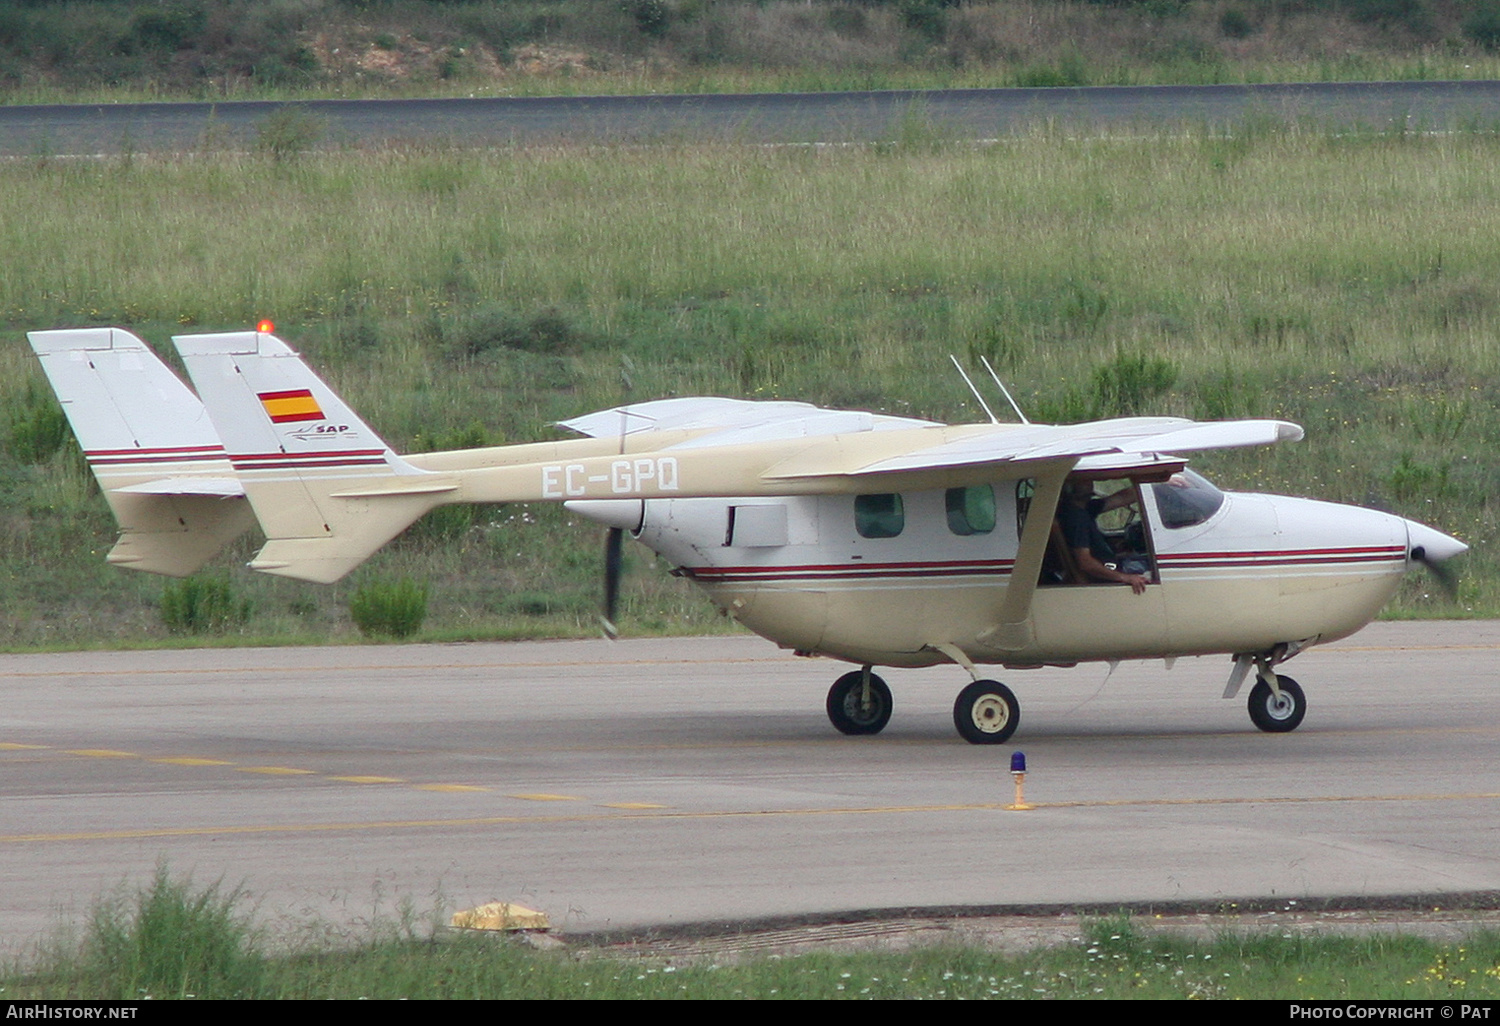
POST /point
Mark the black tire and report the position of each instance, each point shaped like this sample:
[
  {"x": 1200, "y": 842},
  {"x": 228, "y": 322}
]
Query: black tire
[
  {"x": 986, "y": 713},
  {"x": 1273, "y": 715},
  {"x": 847, "y": 710}
]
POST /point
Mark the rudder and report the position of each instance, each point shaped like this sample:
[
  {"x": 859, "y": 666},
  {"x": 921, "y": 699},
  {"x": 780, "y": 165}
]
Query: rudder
[
  {"x": 327, "y": 490},
  {"x": 150, "y": 445}
]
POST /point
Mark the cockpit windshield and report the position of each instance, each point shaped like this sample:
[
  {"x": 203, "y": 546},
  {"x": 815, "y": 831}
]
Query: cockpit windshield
[{"x": 1185, "y": 500}]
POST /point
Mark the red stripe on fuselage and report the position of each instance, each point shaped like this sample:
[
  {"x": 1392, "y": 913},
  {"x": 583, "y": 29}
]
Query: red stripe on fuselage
[
  {"x": 851, "y": 570},
  {"x": 304, "y": 460}
]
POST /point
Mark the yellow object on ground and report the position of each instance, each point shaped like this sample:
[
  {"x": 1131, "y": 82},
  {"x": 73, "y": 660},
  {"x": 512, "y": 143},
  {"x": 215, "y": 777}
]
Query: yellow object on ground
[{"x": 501, "y": 915}]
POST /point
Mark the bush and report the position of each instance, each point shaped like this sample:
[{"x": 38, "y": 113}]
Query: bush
[
  {"x": 927, "y": 18},
  {"x": 168, "y": 27},
  {"x": 171, "y": 942},
  {"x": 292, "y": 66},
  {"x": 1482, "y": 26},
  {"x": 1234, "y": 24},
  {"x": 38, "y": 427},
  {"x": 288, "y": 132},
  {"x": 200, "y": 605},
  {"x": 652, "y": 17},
  {"x": 491, "y": 327},
  {"x": 1067, "y": 74},
  {"x": 1410, "y": 15},
  {"x": 389, "y": 609},
  {"x": 1412, "y": 480},
  {"x": 1126, "y": 385}
]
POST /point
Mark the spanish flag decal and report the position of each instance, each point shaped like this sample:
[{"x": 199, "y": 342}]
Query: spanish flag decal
[{"x": 290, "y": 406}]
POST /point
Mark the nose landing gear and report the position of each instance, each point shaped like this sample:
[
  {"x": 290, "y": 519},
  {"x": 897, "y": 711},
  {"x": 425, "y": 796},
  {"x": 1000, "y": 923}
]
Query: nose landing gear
[{"x": 1279, "y": 711}]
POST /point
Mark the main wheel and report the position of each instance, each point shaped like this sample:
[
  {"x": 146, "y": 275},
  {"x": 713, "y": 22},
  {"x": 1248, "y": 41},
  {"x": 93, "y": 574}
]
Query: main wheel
[
  {"x": 851, "y": 712},
  {"x": 986, "y": 713},
  {"x": 1277, "y": 714}
]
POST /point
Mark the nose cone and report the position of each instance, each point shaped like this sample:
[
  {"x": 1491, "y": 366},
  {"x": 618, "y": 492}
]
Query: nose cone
[{"x": 1429, "y": 546}]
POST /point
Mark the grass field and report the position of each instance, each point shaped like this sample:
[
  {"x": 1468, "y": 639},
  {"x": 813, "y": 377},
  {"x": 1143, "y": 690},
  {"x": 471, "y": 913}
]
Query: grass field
[
  {"x": 171, "y": 939},
  {"x": 1343, "y": 281}
]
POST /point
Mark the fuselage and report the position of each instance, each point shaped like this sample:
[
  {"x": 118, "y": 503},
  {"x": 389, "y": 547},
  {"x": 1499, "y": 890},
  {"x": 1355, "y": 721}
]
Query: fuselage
[{"x": 894, "y": 581}]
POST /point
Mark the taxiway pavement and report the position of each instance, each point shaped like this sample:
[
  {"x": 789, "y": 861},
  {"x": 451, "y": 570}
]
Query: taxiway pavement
[
  {"x": 53, "y": 130},
  {"x": 693, "y": 780}
]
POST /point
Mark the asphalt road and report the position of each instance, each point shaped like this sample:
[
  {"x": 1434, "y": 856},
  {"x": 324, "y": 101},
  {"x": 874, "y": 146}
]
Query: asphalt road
[
  {"x": 796, "y": 117},
  {"x": 674, "y": 781}
]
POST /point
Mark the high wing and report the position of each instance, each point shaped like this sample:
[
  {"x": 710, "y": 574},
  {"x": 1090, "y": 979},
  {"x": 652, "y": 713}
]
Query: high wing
[
  {"x": 151, "y": 446},
  {"x": 726, "y": 421},
  {"x": 329, "y": 492}
]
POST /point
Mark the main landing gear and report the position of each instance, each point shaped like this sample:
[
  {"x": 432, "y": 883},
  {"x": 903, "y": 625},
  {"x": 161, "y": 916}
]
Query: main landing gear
[
  {"x": 859, "y": 703},
  {"x": 985, "y": 713}
]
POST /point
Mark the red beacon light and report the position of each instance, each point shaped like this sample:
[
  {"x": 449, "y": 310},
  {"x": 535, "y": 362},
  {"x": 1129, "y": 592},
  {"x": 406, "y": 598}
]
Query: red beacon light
[{"x": 265, "y": 327}]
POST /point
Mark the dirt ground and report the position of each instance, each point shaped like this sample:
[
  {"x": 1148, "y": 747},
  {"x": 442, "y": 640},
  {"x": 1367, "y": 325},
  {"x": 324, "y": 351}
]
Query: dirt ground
[{"x": 1438, "y": 918}]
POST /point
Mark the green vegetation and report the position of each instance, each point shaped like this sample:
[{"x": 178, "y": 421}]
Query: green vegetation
[
  {"x": 202, "y": 604},
  {"x": 389, "y": 609},
  {"x": 170, "y": 940},
  {"x": 240, "y": 49},
  {"x": 1342, "y": 281},
  {"x": 38, "y": 427},
  {"x": 167, "y": 940}
]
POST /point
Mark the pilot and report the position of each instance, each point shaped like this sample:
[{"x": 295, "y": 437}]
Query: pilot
[{"x": 1078, "y": 516}]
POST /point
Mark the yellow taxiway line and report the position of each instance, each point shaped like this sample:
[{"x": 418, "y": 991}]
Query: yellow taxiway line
[{"x": 634, "y": 815}]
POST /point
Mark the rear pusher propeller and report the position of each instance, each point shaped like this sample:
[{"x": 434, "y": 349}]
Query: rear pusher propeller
[
  {"x": 614, "y": 558},
  {"x": 1444, "y": 574}
]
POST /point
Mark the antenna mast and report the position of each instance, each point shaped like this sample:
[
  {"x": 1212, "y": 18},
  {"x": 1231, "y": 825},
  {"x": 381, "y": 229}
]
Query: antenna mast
[
  {"x": 959, "y": 367},
  {"x": 1003, "y": 390}
]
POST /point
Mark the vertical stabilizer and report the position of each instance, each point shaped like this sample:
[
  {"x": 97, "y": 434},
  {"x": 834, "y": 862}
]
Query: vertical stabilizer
[
  {"x": 327, "y": 490},
  {"x": 151, "y": 446}
]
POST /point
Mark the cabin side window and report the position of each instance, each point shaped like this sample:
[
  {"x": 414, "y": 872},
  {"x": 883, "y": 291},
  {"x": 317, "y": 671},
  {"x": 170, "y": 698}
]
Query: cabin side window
[
  {"x": 879, "y": 516},
  {"x": 971, "y": 510}
]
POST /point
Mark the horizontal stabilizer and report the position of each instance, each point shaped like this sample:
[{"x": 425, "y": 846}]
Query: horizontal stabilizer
[
  {"x": 318, "y": 560},
  {"x": 223, "y": 487}
]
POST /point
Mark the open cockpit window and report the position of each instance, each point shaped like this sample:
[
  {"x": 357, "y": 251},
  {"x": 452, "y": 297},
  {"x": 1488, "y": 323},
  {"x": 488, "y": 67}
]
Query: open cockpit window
[
  {"x": 879, "y": 516},
  {"x": 971, "y": 510},
  {"x": 1186, "y": 499},
  {"x": 1098, "y": 536}
]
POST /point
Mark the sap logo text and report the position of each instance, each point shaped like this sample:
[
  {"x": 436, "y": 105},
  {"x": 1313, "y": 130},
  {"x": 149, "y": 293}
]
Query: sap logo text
[{"x": 323, "y": 431}]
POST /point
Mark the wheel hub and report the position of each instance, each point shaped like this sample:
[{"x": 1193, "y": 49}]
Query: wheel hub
[
  {"x": 1280, "y": 705},
  {"x": 991, "y": 714},
  {"x": 861, "y": 709}
]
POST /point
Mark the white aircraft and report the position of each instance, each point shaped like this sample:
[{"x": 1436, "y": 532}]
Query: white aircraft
[{"x": 873, "y": 539}]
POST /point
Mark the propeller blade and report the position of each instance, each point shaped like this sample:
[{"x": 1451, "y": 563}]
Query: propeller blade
[
  {"x": 614, "y": 540},
  {"x": 1444, "y": 574}
]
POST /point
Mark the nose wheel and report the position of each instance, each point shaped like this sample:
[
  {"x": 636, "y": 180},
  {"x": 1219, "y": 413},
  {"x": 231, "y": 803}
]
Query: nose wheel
[
  {"x": 1277, "y": 713},
  {"x": 854, "y": 708},
  {"x": 986, "y": 713}
]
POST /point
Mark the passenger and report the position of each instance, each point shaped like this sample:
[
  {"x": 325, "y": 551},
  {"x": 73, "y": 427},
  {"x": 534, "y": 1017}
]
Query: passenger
[{"x": 1078, "y": 514}]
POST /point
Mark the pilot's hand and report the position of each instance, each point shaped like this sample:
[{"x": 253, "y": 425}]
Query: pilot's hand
[{"x": 1136, "y": 581}]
